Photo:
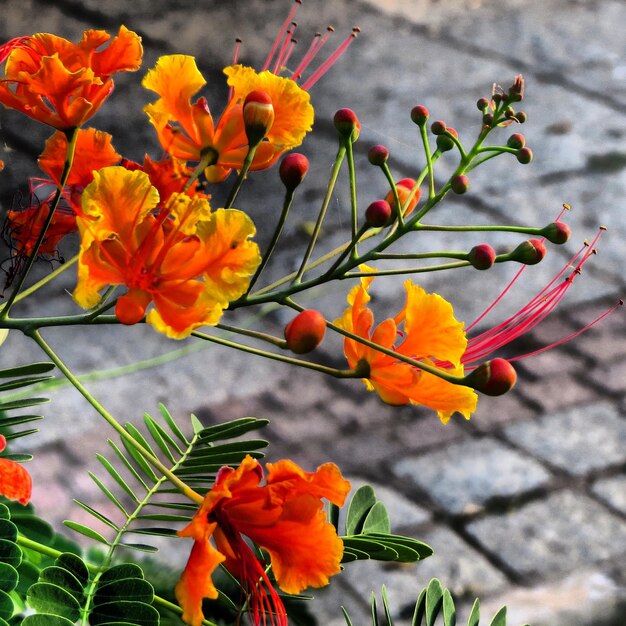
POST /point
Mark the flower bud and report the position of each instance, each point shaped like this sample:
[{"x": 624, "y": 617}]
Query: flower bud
[
  {"x": 438, "y": 127},
  {"x": 293, "y": 169},
  {"x": 378, "y": 155},
  {"x": 445, "y": 142},
  {"x": 404, "y": 188},
  {"x": 521, "y": 117},
  {"x": 258, "y": 116},
  {"x": 482, "y": 256},
  {"x": 305, "y": 331},
  {"x": 487, "y": 119},
  {"x": 460, "y": 184},
  {"x": 378, "y": 213},
  {"x": 529, "y": 252},
  {"x": 420, "y": 115},
  {"x": 516, "y": 91},
  {"x": 557, "y": 232},
  {"x": 482, "y": 104},
  {"x": 347, "y": 124},
  {"x": 516, "y": 141},
  {"x": 492, "y": 378},
  {"x": 524, "y": 155}
]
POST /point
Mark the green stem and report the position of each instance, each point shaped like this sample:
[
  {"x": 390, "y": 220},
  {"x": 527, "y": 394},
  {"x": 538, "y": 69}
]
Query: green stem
[
  {"x": 409, "y": 270},
  {"x": 208, "y": 157},
  {"x": 394, "y": 191},
  {"x": 527, "y": 230},
  {"x": 353, "y": 200},
  {"x": 254, "y": 334},
  {"x": 247, "y": 162},
  {"x": 44, "y": 281},
  {"x": 320, "y": 218},
  {"x": 348, "y": 250},
  {"x": 148, "y": 456},
  {"x": 429, "y": 162},
  {"x": 289, "y": 195},
  {"x": 330, "y": 371},
  {"x": 71, "y": 136}
]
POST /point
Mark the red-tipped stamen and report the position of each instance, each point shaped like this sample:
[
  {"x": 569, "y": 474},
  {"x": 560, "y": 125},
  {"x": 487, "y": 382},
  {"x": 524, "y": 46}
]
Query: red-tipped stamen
[
  {"x": 534, "y": 312},
  {"x": 331, "y": 60},
  {"x": 288, "y": 42},
  {"x": 281, "y": 33},
  {"x": 313, "y": 51},
  {"x": 309, "y": 54}
]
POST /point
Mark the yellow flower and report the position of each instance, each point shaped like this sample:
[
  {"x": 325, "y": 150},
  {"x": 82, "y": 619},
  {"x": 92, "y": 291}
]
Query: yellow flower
[
  {"x": 187, "y": 131},
  {"x": 430, "y": 334}
]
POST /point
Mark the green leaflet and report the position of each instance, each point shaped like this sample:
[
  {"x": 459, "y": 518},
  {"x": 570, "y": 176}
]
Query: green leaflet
[
  {"x": 368, "y": 533},
  {"x": 434, "y": 607}
]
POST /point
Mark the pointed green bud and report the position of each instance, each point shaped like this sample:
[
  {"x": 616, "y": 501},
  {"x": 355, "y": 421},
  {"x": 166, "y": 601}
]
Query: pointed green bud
[{"x": 529, "y": 252}]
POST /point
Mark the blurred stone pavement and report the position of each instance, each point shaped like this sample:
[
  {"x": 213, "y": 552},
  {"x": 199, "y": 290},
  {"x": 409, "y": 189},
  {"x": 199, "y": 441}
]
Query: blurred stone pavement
[{"x": 526, "y": 503}]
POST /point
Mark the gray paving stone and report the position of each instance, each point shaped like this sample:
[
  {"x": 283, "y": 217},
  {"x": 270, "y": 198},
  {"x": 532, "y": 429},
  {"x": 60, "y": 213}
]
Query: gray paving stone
[
  {"x": 578, "y": 440},
  {"x": 463, "y": 477},
  {"x": 555, "y": 535},
  {"x": 612, "y": 491},
  {"x": 559, "y": 390},
  {"x": 610, "y": 377}
]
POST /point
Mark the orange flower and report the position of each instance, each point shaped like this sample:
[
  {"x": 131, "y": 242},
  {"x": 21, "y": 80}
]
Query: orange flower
[
  {"x": 176, "y": 79},
  {"x": 169, "y": 176},
  {"x": 15, "y": 481},
  {"x": 285, "y": 517},
  {"x": 93, "y": 151},
  {"x": 190, "y": 262},
  {"x": 60, "y": 83},
  {"x": 430, "y": 333}
]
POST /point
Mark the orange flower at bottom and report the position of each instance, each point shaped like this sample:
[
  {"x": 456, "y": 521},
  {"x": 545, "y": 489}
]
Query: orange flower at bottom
[
  {"x": 285, "y": 517},
  {"x": 15, "y": 481},
  {"x": 430, "y": 333}
]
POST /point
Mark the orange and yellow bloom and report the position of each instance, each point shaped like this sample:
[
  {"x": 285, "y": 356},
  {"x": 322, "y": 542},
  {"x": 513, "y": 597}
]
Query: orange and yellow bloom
[
  {"x": 285, "y": 517},
  {"x": 187, "y": 260},
  {"x": 63, "y": 84},
  {"x": 430, "y": 334},
  {"x": 15, "y": 481},
  {"x": 187, "y": 131}
]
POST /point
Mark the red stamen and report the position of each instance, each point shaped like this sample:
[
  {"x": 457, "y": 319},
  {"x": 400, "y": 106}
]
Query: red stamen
[
  {"x": 331, "y": 60},
  {"x": 308, "y": 55},
  {"x": 279, "y": 63},
  {"x": 235, "y": 59},
  {"x": 281, "y": 33}
]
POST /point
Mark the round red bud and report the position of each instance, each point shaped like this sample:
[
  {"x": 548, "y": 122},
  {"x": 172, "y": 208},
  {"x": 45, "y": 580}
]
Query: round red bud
[
  {"x": 258, "y": 115},
  {"x": 482, "y": 104},
  {"x": 529, "y": 252},
  {"x": 487, "y": 119},
  {"x": 347, "y": 124},
  {"x": 378, "y": 213},
  {"x": 438, "y": 127},
  {"x": 378, "y": 155},
  {"x": 420, "y": 115},
  {"x": 521, "y": 117},
  {"x": 557, "y": 232},
  {"x": 460, "y": 184},
  {"x": 293, "y": 169},
  {"x": 524, "y": 155},
  {"x": 305, "y": 331},
  {"x": 492, "y": 378},
  {"x": 516, "y": 141},
  {"x": 482, "y": 256}
]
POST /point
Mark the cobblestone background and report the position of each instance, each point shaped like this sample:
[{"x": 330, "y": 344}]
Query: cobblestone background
[{"x": 526, "y": 503}]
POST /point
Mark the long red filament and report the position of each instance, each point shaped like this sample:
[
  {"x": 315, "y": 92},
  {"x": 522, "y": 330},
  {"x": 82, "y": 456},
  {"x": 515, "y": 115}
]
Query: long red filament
[
  {"x": 281, "y": 33},
  {"x": 331, "y": 60}
]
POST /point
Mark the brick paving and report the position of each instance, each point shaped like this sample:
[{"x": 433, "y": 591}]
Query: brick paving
[{"x": 526, "y": 503}]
